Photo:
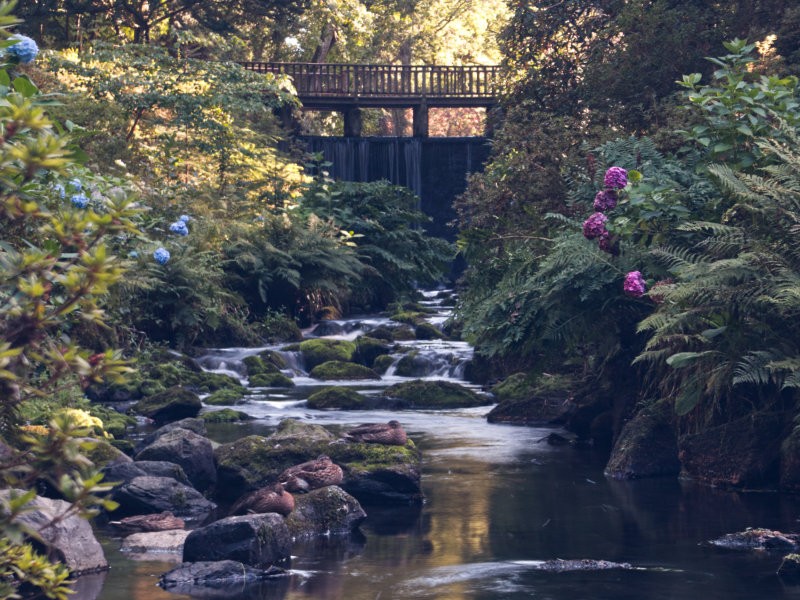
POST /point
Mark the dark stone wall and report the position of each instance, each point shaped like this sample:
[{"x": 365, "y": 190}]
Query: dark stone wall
[{"x": 434, "y": 168}]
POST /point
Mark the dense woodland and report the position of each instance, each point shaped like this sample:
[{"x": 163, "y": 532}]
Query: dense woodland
[{"x": 634, "y": 236}]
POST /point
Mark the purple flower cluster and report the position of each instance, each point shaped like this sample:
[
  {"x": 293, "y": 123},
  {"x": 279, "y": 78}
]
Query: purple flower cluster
[
  {"x": 616, "y": 178},
  {"x": 605, "y": 200},
  {"x": 634, "y": 284},
  {"x": 594, "y": 226}
]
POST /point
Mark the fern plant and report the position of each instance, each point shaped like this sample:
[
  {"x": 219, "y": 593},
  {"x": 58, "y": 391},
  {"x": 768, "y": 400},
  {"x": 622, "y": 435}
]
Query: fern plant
[{"x": 727, "y": 334}]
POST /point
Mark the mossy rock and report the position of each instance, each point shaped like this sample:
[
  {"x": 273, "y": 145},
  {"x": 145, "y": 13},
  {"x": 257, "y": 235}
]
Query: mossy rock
[
  {"x": 382, "y": 363},
  {"x": 280, "y": 328},
  {"x": 170, "y": 405},
  {"x": 317, "y": 351},
  {"x": 271, "y": 380},
  {"x": 335, "y": 369},
  {"x": 426, "y": 331},
  {"x": 149, "y": 387},
  {"x": 294, "y": 431},
  {"x": 368, "y": 349},
  {"x": 103, "y": 452},
  {"x": 125, "y": 446},
  {"x": 404, "y": 333},
  {"x": 255, "y": 461},
  {"x": 434, "y": 394},
  {"x": 227, "y": 397},
  {"x": 335, "y": 397},
  {"x": 273, "y": 358},
  {"x": 408, "y": 317},
  {"x": 257, "y": 366},
  {"x": 381, "y": 333},
  {"x": 211, "y": 382},
  {"x": 226, "y": 415},
  {"x": 411, "y": 365},
  {"x": 114, "y": 422},
  {"x": 519, "y": 386}
]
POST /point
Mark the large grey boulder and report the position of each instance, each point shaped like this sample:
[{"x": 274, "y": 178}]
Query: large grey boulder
[
  {"x": 191, "y": 451},
  {"x": 70, "y": 538},
  {"x": 255, "y": 540},
  {"x": 197, "y": 425},
  {"x": 163, "y": 468},
  {"x": 170, "y": 405},
  {"x": 325, "y": 511},
  {"x": 145, "y": 495}
]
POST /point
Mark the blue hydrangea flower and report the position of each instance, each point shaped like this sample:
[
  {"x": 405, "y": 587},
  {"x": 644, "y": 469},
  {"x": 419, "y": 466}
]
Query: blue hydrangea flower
[
  {"x": 76, "y": 184},
  {"x": 80, "y": 200},
  {"x": 161, "y": 256},
  {"x": 179, "y": 227},
  {"x": 59, "y": 189},
  {"x": 24, "y": 49},
  {"x": 185, "y": 218},
  {"x": 133, "y": 254}
]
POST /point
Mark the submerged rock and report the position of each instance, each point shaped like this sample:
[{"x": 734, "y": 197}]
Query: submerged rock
[
  {"x": 326, "y": 511},
  {"x": 583, "y": 564},
  {"x": 255, "y": 540},
  {"x": 758, "y": 539},
  {"x": 218, "y": 579}
]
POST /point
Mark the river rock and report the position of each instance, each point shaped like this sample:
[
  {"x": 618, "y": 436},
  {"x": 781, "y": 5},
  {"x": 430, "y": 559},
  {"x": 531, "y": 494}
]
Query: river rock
[
  {"x": 197, "y": 425},
  {"x": 191, "y": 451},
  {"x": 743, "y": 453},
  {"x": 255, "y": 540},
  {"x": 790, "y": 568},
  {"x": 155, "y": 544},
  {"x": 368, "y": 349},
  {"x": 325, "y": 511},
  {"x": 148, "y": 494},
  {"x": 379, "y": 474},
  {"x": 647, "y": 446},
  {"x": 121, "y": 472},
  {"x": 758, "y": 539},
  {"x": 170, "y": 405},
  {"x": 70, "y": 537},
  {"x": 218, "y": 579},
  {"x": 432, "y": 394},
  {"x": 341, "y": 370},
  {"x": 317, "y": 351},
  {"x": 163, "y": 468},
  {"x": 336, "y": 397}
]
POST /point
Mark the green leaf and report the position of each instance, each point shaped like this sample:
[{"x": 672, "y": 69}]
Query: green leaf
[
  {"x": 25, "y": 86},
  {"x": 5, "y": 80},
  {"x": 722, "y": 147},
  {"x": 683, "y": 359}
]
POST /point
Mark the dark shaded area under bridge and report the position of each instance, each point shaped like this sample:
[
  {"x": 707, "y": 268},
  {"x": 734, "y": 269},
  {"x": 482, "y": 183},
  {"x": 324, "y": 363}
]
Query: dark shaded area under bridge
[
  {"x": 434, "y": 168},
  {"x": 348, "y": 88}
]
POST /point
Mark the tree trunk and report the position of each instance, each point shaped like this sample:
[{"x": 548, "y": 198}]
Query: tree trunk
[{"x": 326, "y": 41}]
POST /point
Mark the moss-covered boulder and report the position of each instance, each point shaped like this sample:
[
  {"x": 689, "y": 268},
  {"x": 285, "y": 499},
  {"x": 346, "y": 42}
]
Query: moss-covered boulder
[
  {"x": 647, "y": 446},
  {"x": 412, "y": 364},
  {"x": 273, "y": 358},
  {"x": 379, "y": 474},
  {"x": 324, "y": 512},
  {"x": 404, "y": 333},
  {"x": 271, "y": 380},
  {"x": 368, "y": 349},
  {"x": 257, "y": 365},
  {"x": 336, "y": 397},
  {"x": 101, "y": 452},
  {"x": 532, "y": 400},
  {"x": 255, "y": 461},
  {"x": 170, "y": 405},
  {"x": 381, "y": 333},
  {"x": 227, "y": 397},
  {"x": 382, "y": 363},
  {"x": 226, "y": 415},
  {"x": 114, "y": 422},
  {"x": 427, "y": 331},
  {"x": 433, "y": 394},
  {"x": 340, "y": 370},
  {"x": 315, "y": 352}
]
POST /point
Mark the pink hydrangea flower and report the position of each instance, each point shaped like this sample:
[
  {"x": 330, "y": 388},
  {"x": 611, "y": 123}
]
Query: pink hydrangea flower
[
  {"x": 594, "y": 226},
  {"x": 605, "y": 200},
  {"x": 634, "y": 284},
  {"x": 616, "y": 178}
]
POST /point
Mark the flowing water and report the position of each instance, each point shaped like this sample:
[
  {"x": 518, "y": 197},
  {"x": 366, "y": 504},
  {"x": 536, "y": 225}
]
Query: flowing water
[{"x": 499, "y": 501}]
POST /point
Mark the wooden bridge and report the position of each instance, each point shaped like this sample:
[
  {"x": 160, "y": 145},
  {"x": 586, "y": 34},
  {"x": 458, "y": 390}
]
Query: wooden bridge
[{"x": 349, "y": 87}]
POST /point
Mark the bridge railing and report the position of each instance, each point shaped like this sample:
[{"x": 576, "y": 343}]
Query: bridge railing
[{"x": 350, "y": 80}]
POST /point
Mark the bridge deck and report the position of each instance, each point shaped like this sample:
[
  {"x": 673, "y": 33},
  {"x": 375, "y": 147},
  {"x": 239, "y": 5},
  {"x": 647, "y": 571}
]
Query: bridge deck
[{"x": 331, "y": 86}]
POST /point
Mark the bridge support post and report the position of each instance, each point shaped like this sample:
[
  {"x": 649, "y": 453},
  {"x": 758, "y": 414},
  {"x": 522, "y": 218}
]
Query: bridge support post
[
  {"x": 420, "y": 126},
  {"x": 352, "y": 121}
]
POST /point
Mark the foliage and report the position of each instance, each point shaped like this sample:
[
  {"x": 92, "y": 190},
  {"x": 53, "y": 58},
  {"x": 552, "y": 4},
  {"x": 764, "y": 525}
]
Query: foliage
[
  {"x": 740, "y": 107},
  {"x": 383, "y": 224},
  {"x": 726, "y": 331}
]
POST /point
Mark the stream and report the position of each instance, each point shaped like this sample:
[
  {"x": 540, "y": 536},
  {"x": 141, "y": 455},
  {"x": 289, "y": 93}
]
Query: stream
[{"x": 499, "y": 501}]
